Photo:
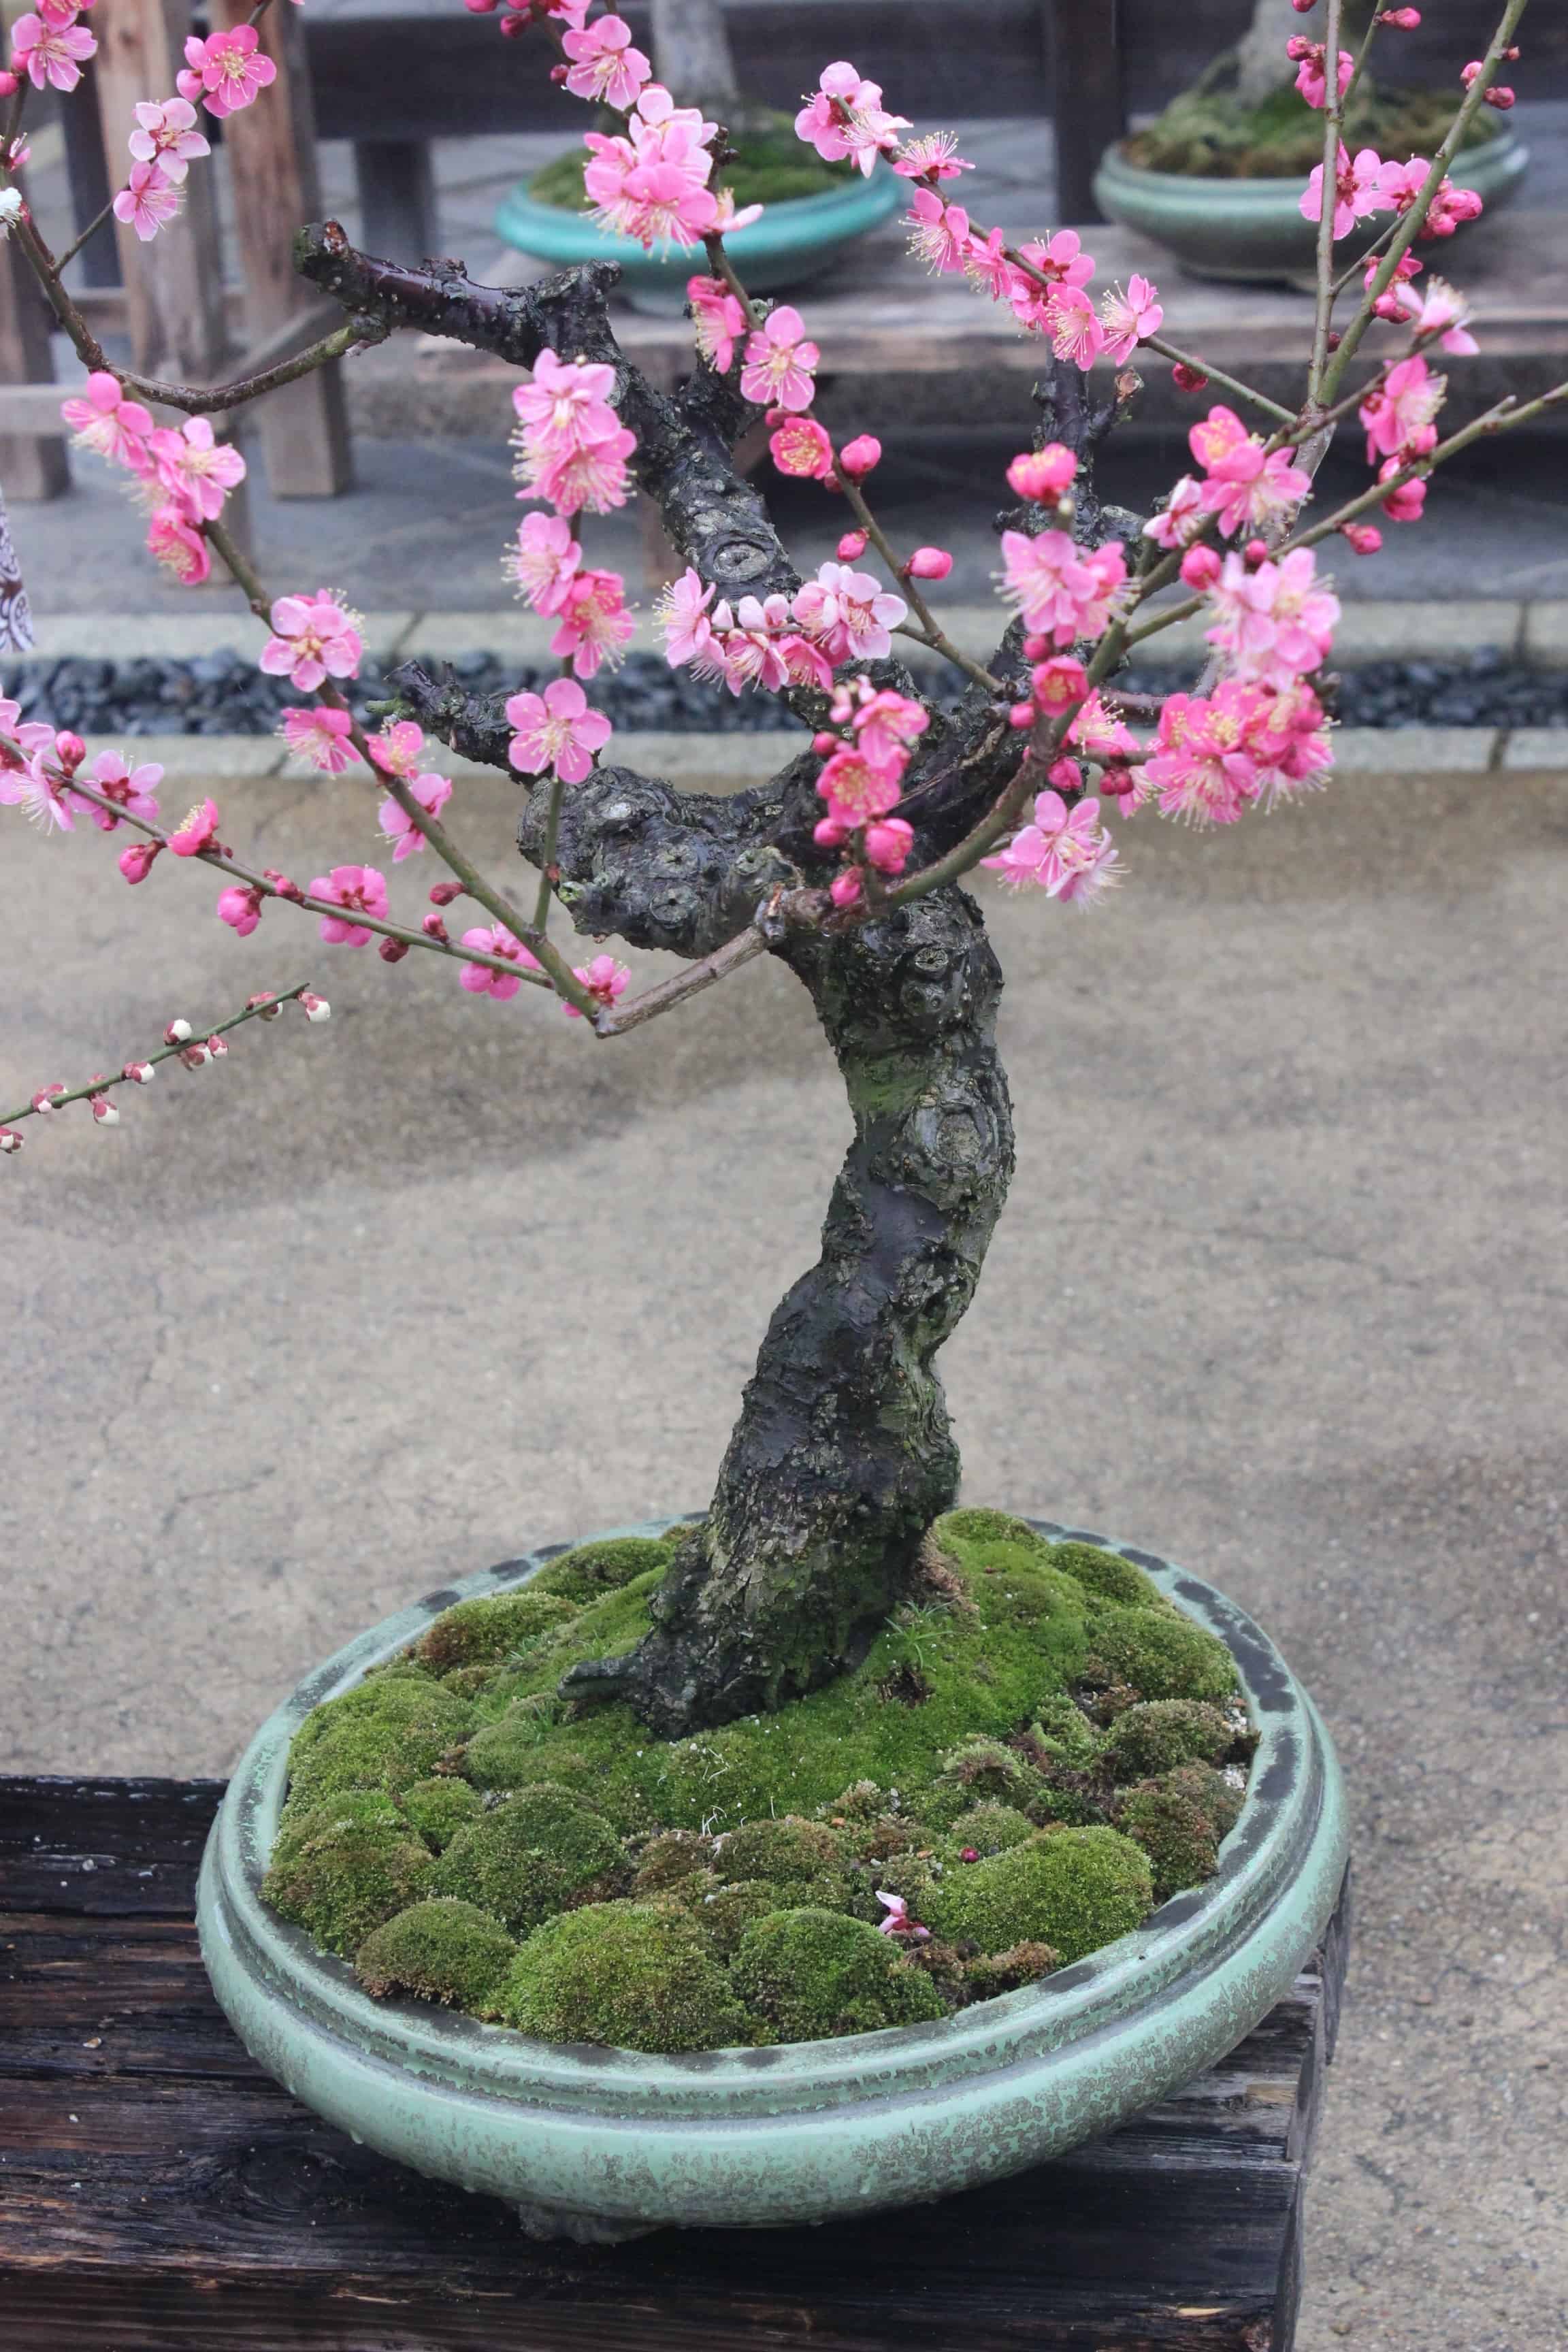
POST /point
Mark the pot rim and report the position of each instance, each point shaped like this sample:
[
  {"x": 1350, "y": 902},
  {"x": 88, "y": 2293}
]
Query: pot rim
[
  {"x": 574, "y": 237},
  {"x": 1288, "y": 1830},
  {"x": 1209, "y": 186}
]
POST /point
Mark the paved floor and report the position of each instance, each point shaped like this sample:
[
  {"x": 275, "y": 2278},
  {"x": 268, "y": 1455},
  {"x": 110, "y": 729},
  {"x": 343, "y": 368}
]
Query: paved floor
[{"x": 1280, "y": 1292}]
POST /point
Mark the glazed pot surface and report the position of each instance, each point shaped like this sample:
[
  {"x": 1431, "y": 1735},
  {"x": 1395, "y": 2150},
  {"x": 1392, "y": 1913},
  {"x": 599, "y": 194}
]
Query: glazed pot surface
[{"x": 597, "y": 2143}]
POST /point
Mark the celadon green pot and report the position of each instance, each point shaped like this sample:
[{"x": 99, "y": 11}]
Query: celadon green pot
[
  {"x": 597, "y": 2144},
  {"x": 1252, "y": 229},
  {"x": 792, "y": 242}
]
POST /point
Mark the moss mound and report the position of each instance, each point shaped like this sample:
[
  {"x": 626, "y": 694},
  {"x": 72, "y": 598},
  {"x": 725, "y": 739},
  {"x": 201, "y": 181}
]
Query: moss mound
[
  {"x": 530, "y": 1856},
  {"x": 788, "y": 1855},
  {"x": 771, "y": 167},
  {"x": 479, "y": 1633},
  {"x": 341, "y": 1867},
  {"x": 592, "y": 1570},
  {"x": 441, "y": 1950},
  {"x": 636, "y": 1976},
  {"x": 1155, "y": 1656},
  {"x": 991, "y": 1829},
  {"x": 1159, "y": 1733},
  {"x": 1176, "y": 1833},
  {"x": 1074, "y": 1889},
  {"x": 810, "y": 1973},
  {"x": 1207, "y": 131},
  {"x": 387, "y": 1734},
  {"x": 436, "y": 1810}
]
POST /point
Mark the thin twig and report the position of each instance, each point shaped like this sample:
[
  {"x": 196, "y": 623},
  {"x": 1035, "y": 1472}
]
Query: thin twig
[
  {"x": 162, "y": 1053},
  {"x": 1218, "y": 375},
  {"x": 614, "y": 1020}
]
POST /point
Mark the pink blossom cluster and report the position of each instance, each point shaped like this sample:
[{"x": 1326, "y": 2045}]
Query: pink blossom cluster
[
  {"x": 546, "y": 561},
  {"x": 39, "y": 764},
  {"x": 1064, "y": 851},
  {"x": 1274, "y": 621},
  {"x": 862, "y": 782},
  {"x": 845, "y": 120},
  {"x": 650, "y": 182},
  {"x": 1215, "y": 755},
  {"x": 185, "y": 471},
  {"x": 572, "y": 446},
  {"x": 1398, "y": 416},
  {"x": 1247, "y": 486},
  {"x": 226, "y": 72},
  {"x": 50, "y": 46},
  {"x": 1365, "y": 184},
  {"x": 164, "y": 145},
  {"x": 779, "y": 641},
  {"x": 1062, "y": 591}
]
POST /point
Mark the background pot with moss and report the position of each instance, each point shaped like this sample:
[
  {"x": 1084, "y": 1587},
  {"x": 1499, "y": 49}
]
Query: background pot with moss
[
  {"x": 1218, "y": 177},
  {"x": 811, "y": 209}
]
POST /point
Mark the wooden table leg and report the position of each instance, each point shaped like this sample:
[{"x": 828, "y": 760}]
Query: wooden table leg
[{"x": 32, "y": 465}]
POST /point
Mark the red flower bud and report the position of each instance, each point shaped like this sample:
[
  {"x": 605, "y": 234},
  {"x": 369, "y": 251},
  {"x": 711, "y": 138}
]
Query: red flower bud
[
  {"x": 1190, "y": 379},
  {"x": 44, "y": 1100},
  {"x": 1404, "y": 20},
  {"x": 435, "y": 929},
  {"x": 1498, "y": 96},
  {"x": 1021, "y": 715},
  {"x": 136, "y": 863},
  {"x": 392, "y": 950},
  {"x": 176, "y": 1032},
  {"x": 218, "y": 1047},
  {"x": 9, "y": 85},
  {"x": 845, "y": 888},
  {"x": 1201, "y": 567},
  {"x": 103, "y": 1110},
  {"x": 825, "y": 745},
  {"x": 1256, "y": 551},
  {"x": 852, "y": 544},
  {"x": 1365, "y": 537},
  {"x": 969, "y": 1853},
  {"x": 443, "y": 894},
  {"x": 929, "y": 564},
  {"x": 9, "y": 1138},
  {"x": 70, "y": 750},
  {"x": 860, "y": 456}
]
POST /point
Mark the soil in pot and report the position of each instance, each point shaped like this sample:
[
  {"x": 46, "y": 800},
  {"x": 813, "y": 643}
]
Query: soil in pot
[
  {"x": 1035, "y": 1751},
  {"x": 1206, "y": 133}
]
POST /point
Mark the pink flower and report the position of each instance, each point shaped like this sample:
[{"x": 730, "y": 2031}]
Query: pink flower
[
  {"x": 1067, "y": 854},
  {"x": 479, "y": 978},
  {"x": 1398, "y": 416},
  {"x": 556, "y": 730},
  {"x": 136, "y": 862},
  {"x": 605, "y": 67},
  {"x": 898, "y": 1921},
  {"x": 887, "y": 725},
  {"x": 1360, "y": 187},
  {"x": 320, "y": 735},
  {"x": 1312, "y": 79},
  {"x": 934, "y": 157},
  {"x": 938, "y": 232},
  {"x": 52, "y": 54},
  {"x": 196, "y": 830},
  {"x": 566, "y": 403},
  {"x": 1204, "y": 764},
  {"x": 1063, "y": 592},
  {"x": 149, "y": 199},
  {"x": 1440, "y": 311},
  {"x": 315, "y": 639},
  {"x": 1200, "y": 566},
  {"x": 1044, "y": 474},
  {"x": 844, "y": 119},
  {"x": 652, "y": 185},
  {"x": 1275, "y": 621},
  {"x": 1060, "y": 258},
  {"x": 196, "y": 469},
  {"x": 179, "y": 546},
  {"x": 1058, "y": 684},
  {"x": 396, "y": 749},
  {"x": 167, "y": 135},
  {"x": 800, "y": 447},
  {"x": 1130, "y": 318},
  {"x": 1075, "y": 330},
  {"x": 987, "y": 266},
  {"x": 860, "y": 457},
  {"x": 1180, "y": 518},
  {"x": 1245, "y": 489},
  {"x": 241, "y": 908},
  {"x": 1406, "y": 500},
  {"x": 1097, "y": 731},
  {"x": 357, "y": 889},
  {"x": 432, "y": 791},
  {"x": 683, "y": 614},
  {"x": 726, "y": 219},
  {"x": 594, "y": 624},
  {"x": 848, "y": 614},
  {"x": 110, "y": 424},
  {"x": 889, "y": 843},
  {"x": 131, "y": 788},
  {"x": 604, "y": 979},
  {"x": 544, "y": 561},
  {"x": 231, "y": 69},
  {"x": 594, "y": 477},
  {"x": 717, "y": 318},
  {"x": 858, "y": 788},
  {"x": 780, "y": 362}
]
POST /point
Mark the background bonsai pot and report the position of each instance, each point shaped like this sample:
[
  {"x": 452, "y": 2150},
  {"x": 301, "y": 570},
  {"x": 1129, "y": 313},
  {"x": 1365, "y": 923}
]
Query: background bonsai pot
[
  {"x": 601, "y": 2143},
  {"x": 1253, "y": 229},
  {"x": 794, "y": 240}
]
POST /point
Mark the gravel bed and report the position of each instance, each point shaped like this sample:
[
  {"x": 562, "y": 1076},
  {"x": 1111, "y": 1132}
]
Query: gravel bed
[{"x": 225, "y": 694}]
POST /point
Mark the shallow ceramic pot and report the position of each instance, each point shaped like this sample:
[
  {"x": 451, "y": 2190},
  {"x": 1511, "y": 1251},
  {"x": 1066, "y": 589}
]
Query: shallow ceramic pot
[
  {"x": 603, "y": 2144},
  {"x": 792, "y": 242},
  {"x": 1251, "y": 229}
]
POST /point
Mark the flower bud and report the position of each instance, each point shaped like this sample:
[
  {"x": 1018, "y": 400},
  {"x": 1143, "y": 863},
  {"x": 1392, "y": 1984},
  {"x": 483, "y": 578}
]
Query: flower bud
[
  {"x": 9, "y": 1139},
  {"x": 845, "y": 888},
  {"x": 140, "y": 1073},
  {"x": 176, "y": 1032},
  {"x": 9, "y": 85},
  {"x": 1189, "y": 379},
  {"x": 851, "y": 545},
  {"x": 479, "y": 7},
  {"x": 281, "y": 884},
  {"x": 831, "y": 832},
  {"x": 1036, "y": 648},
  {"x": 1404, "y": 20},
  {"x": 1065, "y": 776},
  {"x": 825, "y": 745},
  {"x": 1365, "y": 537},
  {"x": 929, "y": 564},
  {"x": 264, "y": 1005},
  {"x": 1405, "y": 502},
  {"x": 194, "y": 1057},
  {"x": 969, "y": 1853},
  {"x": 315, "y": 1008},
  {"x": 136, "y": 863},
  {"x": 1201, "y": 567},
  {"x": 1500, "y": 96},
  {"x": 103, "y": 1110},
  {"x": 443, "y": 894},
  {"x": 1118, "y": 780},
  {"x": 889, "y": 843},
  {"x": 44, "y": 1100},
  {"x": 860, "y": 457},
  {"x": 1021, "y": 715},
  {"x": 1303, "y": 7},
  {"x": 218, "y": 1047},
  {"x": 1255, "y": 553},
  {"x": 195, "y": 830},
  {"x": 392, "y": 950},
  {"x": 435, "y": 929},
  {"x": 70, "y": 750},
  {"x": 1043, "y": 474}
]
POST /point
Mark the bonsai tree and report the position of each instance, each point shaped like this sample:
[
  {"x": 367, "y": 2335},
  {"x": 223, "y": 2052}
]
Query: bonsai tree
[{"x": 851, "y": 865}]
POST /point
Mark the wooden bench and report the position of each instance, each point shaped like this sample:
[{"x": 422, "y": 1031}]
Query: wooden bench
[{"x": 158, "y": 2191}]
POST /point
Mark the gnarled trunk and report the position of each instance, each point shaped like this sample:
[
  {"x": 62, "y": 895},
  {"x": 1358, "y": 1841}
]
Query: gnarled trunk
[{"x": 843, "y": 1454}]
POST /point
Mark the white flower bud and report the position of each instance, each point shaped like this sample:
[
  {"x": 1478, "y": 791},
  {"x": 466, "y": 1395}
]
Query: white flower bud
[
  {"x": 140, "y": 1073},
  {"x": 316, "y": 1008},
  {"x": 103, "y": 1110},
  {"x": 176, "y": 1032},
  {"x": 9, "y": 1139},
  {"x": 10, "y": 209}
]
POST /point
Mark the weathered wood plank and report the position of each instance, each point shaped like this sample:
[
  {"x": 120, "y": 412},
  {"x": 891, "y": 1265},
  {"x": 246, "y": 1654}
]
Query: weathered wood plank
[{"x": 33, "y": 461}]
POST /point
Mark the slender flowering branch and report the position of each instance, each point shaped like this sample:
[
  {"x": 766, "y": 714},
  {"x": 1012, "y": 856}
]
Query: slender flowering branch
[
  {"x": 1334, "y": 125},
  {"x": 1206, "y": 368}
]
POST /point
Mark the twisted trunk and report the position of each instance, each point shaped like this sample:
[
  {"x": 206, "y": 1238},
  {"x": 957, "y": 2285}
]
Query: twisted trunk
[{"x": 843, "y": 1454}]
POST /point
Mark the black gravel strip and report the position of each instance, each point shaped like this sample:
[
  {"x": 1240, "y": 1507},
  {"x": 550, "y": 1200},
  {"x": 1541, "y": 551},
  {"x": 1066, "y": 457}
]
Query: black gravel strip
[{"x": 226, "y": 694}]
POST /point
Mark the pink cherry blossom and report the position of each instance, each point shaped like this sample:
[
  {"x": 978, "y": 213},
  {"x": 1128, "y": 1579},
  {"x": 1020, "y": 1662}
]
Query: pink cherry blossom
[
  {"x": 556, "y": 730},
  {"x": 1074, "y": 328},
  {"x": 717, "y": 321},
  {"x": 652, "y": 182},
  {"x": 1058, "y": 685},
  {"x": 1245, "y": 488},
  {"x": 595, "y": 625},
  {"x": 844, "y": 119},
  {"x": 358, "y": 890},
  {"x": 888, "y": 844},
  {"x": 683, "y": 614},
  {"x": 1098, "y": 730},
  {"x": 1359, "y": 189},
  {"x": 179, "y": 546},
  {"x": 104, "y": 421},
  {"x": 495, "y": 939},
  {"x": 432, "y": 791},
  {"x": 240, "y": 908},
  {"x": 148, "y": 200},
  {"x": 604, "y": 979},
  {"x": 800, "y": 447},
  {"x": 544, "y": 561},
  {"x": 232, "y": 69},
  {"x": 987, "y": 266},
  {"x": 604, "y": 67},
  {"x": 51, "y": 55},
  {"x": 1065, "y": 852},
  {"x": 132, "y": 789},
  {"x": 1275, "y": 621},
  {"x": 726, "y": 219},
  {"x": 320, "y": 735},
  {"x": 780, "y": 362},
  {"x": 1205, "y": 765},
  {"x": 1398, "y": 414},
  {"x": 1130, "y": 318},
  {"x": 898, "y": 1921},
  {"x": 848, "y": 614},
  {"x": 1439, "y": 312},
  {"x": 887, "y": 724},
  {"x": 938, "y": 232},
  {"x": 196, "y": 830},
  {"x": 1063, "y": 592},
  {"x": 1311, "y": 78},
  {"x": 197, "y": 468},
  {"x": 594, "y": 477},
  {"x": 566, "y": 403},
  {"x": 1044, "y": 474},
  {"x": 397, "y": 748},
  {"x": 1182, "y": 516},
  {"x": 934, "y": 157},
  {"x": 314, "y": 639},
  {"x": 167, "y": 135},
  {"x": 858, "y": 788},
  {"x": 1406, "y": 500}
]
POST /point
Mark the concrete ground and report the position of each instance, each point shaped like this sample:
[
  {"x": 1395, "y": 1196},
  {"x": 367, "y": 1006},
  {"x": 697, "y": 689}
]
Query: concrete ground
[{"x": 1280, "y": 1292}]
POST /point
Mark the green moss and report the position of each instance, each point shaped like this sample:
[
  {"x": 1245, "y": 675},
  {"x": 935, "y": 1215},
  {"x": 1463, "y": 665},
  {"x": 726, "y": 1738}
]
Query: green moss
[
  {"x": 438, "y": 1810},
  {"x": 723, "y": 1913},
  {"x": 771, "y": 168},
  {"x": 1107, "y": 1574},
  {"x": 1217, "y": 1799},
  {"x": 1176, "y": 1833},
  {"x": 1161, "y": 1733},
  {"x": 991, "y": 1975},
  {"x": 516, "y": 1752},
  {"x": 340, "y": 1867},
  {"x": 962, "y": 1530},
  {"x": 441, "y": 1950},
  {"x": 1061, "y": 1735},
  {"x": 981, "y": 1771},
  {"x": 1159, "y": 1656},
  {"x": 591, "y": 1570},
  {"x": 485, "y": 1631},
  {"x": 1074, "y": 1889},
  {"x": 788, "y": 1853},
  {"x": 991, "y": 1827},
  {"x": 528, "y": 1856},
  {"x": 1208, "y": 131},
  {"x": 636, "y": 1976},
  {"x": 811, "y": 1973},
  {"x": 667, "y": 1859},
  {"x": 386, "y": 1734}
]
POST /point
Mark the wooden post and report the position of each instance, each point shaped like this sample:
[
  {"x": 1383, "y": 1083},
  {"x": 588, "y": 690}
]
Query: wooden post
[
  {"x": 1085, "y": 67},
  {"x": 32, "y": 465},
  {"x": 272, "y": 156},
  {"x": 89, "y": 177}
]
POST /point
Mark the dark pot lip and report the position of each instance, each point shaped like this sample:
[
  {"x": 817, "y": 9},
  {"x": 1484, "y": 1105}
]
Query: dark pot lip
[{"x": 1292, "y": 1806}]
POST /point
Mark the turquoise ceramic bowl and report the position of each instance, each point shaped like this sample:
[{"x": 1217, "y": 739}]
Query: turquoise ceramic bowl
[
  {"x": 793, "y": 243},
  {"x": 1251, "y": 229},
  {"x": 601, "y": 2143}
]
